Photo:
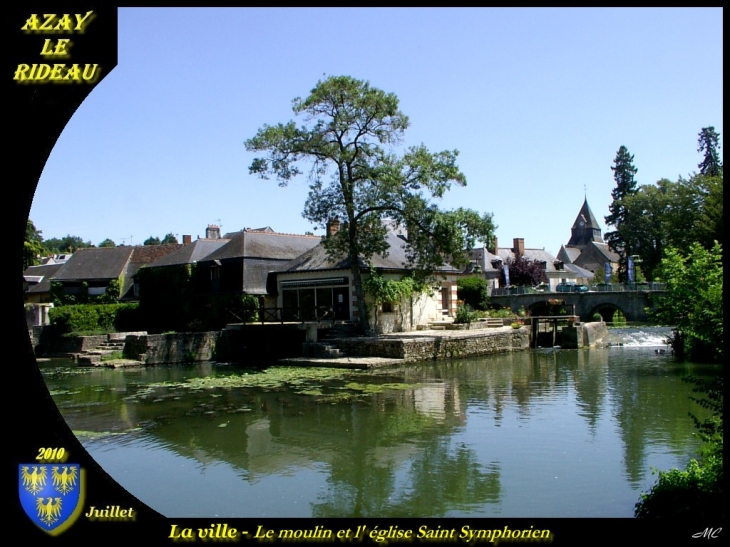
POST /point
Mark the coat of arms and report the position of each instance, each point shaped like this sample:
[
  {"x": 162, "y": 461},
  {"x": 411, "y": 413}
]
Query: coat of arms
[{"x": 51, "y": 494}]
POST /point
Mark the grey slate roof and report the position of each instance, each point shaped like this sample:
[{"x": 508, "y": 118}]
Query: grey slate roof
[
  {"x": 580, "y": 272},
  {"x": 504, "y": 253},
  {"x": 191, "y": 253},
  {"x": 44, "y": 272},
  {"x": 95, "y": 263},
  {"x": 568, "y": 254},
  {"x": 263, "y": 245},
  {"x": 317, "y": 259},
  {"x": 107, "y": 263}
]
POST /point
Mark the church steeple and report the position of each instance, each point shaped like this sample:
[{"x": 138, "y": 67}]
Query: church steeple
[{"x": 585, "y": 228}]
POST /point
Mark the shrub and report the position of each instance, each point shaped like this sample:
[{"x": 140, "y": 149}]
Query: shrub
[
  {"x": 473, "y": 291},
  {"x": 94, "y": 317},
  {"x": 464, "y": 315},
  {"x": 693, "y": 301},
  {"x": 597, "y": 317}
]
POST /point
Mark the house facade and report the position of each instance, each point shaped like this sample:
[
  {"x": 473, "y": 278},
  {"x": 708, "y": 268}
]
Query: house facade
[
  {"x": 317, "y": 286},
  {"x": 490, "y": 262}
]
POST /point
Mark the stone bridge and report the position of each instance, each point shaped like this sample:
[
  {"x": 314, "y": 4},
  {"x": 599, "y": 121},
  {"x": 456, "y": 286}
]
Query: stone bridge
[{"x": 633, "y": 304}]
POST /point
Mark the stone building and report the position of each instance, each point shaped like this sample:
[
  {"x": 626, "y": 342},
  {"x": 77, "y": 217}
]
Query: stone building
[{"x": 586, "y": 248}]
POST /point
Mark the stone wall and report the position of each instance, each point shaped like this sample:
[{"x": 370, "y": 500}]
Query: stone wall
[
  {"x": 584, "y": 335},
  {"x": 428, "y": 348},
  {"x": 182, "y": 347}
]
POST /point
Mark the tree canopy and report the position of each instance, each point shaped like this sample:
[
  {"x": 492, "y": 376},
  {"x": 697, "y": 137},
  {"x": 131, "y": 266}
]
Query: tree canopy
[
  {"x": 623, "y": 174},
  {"x": 357, "y": 178},
  {"x": 32, "y": 245},
  {"x": 669, "y": 214},
  {"x": 169, "y": 239},
  {"x": 67, "y": 244},
  {"x": 708, "y": 143},
  {"x": 523, "y": 271},
  {"x": 107, "y": 243},
  {"x": 693, "y": 300}
]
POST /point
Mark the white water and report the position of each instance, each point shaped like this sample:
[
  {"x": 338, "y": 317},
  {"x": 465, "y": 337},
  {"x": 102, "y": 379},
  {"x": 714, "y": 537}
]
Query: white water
[{"x": 639, "y": 336}]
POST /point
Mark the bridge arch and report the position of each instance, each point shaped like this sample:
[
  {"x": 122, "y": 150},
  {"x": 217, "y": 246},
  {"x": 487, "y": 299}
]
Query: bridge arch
[{"x": 607, "y": 310}]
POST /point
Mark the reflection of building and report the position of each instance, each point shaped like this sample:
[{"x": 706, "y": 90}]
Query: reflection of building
[{"x": 586, "y": 247}]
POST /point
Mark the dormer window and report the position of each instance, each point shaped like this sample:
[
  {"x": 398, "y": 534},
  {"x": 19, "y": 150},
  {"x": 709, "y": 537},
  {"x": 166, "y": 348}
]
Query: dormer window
[
  {"x": 559, "y": 265},
  {"x": 496, "y": 263}
]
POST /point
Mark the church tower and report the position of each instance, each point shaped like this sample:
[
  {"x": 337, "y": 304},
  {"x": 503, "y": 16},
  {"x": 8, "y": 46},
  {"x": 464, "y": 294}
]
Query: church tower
[{"x": 585, "y": 228}]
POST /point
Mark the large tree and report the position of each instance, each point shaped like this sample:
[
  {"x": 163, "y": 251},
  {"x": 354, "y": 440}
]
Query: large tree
[
  {"x": 356, "y": 177},
  {"x": 623, "y": 174},
  {"x": 32, "y": 245},
  {"x": 709, "y": 144}
]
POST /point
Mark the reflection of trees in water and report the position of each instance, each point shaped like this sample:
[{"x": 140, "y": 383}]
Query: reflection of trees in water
[
  {"x": 650, "y": 407},
  {"x": 439, "y": 477}
]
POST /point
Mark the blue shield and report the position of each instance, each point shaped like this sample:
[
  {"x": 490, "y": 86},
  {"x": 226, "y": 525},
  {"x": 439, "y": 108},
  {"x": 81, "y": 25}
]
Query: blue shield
[{"x": 52, "y": 494}]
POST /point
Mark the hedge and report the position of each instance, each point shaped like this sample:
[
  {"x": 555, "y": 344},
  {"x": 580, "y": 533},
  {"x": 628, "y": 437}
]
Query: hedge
[{"x": 95, "y": 317}]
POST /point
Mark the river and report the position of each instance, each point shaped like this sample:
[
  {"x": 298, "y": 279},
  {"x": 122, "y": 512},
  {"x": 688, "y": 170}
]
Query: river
[{"x": 540, "y": 433}]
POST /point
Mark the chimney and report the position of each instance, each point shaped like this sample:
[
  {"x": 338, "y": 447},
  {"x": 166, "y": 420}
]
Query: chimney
[
  {"x": 519, "y": 246},
  {"x": 187, "y": 240},
  {"x": 333, "y": 226},
  {"x": 494, "y": 250},
  {"x": 213, "y": 231}
]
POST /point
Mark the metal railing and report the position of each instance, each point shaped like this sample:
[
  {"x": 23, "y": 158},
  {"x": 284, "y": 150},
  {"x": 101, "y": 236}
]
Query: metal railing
[
  {"x": 290, "y": 315},
  {"x": 600, "y": 287}
]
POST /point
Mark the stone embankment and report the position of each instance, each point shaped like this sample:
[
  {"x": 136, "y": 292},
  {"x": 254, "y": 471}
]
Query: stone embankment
[
  {"x": 141, "y": 349},
  {"x": 411, "y": 347}
]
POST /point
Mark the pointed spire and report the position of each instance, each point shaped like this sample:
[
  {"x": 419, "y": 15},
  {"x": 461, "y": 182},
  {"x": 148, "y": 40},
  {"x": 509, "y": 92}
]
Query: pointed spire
[{"x": 585, "y": 228}]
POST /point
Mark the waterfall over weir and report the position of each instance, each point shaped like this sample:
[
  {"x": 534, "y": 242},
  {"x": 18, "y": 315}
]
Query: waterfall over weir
[{"x": 638, "y": 336}]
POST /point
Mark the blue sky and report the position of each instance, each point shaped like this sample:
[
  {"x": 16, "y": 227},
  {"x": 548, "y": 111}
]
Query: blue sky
[{"x": 536, "y": 101}]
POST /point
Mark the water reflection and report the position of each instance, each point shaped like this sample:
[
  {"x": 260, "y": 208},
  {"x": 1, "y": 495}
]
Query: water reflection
[{"x": 526, "y": 434}]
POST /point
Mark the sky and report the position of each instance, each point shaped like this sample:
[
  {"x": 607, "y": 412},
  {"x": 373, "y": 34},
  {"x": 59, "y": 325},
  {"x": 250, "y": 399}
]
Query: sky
[{"x": 536, "y": 101}]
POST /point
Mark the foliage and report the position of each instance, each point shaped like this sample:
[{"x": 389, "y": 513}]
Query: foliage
[
  {"x": 708, "y": 143},
  {"x": 152, "y": 240},
  {"x": 67, "y": 244},
  {"x": 618, "y": 319},
  {"x": 652, "y": 218},
  {"x": 697, "y": 492},
  {"x": 169, "y": 239},
  {"x": 501, "y": 312},
  {"x": 693, "y": 301},
  {"x": 465, "y": 315},
  {"x": 473, "y": 291},
  {"x": 107, "y": 243},
  {"x": 623, "y": 174},
  {"x": 384, "y": 290},
  {"x": 61, "y": 297},
  {"x": 32, "y": 245},
  {"x": 523, "y": 272},
  {"x": 597, "y": 317},
  {"x": 94, "y": 317},
  {"x": 350, "y": 126},
  {"x": 516, "y": 325}
]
